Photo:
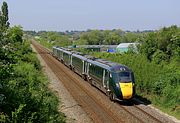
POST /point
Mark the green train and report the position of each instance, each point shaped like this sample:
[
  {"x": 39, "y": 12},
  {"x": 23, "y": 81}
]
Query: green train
[{"x": 115, "y": 80}]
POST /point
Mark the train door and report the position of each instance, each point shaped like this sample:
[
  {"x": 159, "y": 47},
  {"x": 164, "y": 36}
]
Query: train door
[
  {"x": 58, "y": 52},
  {"x": 83, "y": 70},
  {"x": 87, "y": 68},
  {"x": 104, "y": 71},
  {"x": 54, "y": 51},
  {"x": 61, "y": 56},
  {"x": 71, "y": 60},
  {"x": 106, "y": 79}
]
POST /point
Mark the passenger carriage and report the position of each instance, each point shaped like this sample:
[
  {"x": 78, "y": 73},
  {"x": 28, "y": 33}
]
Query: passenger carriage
[
  {"x": 58, "y": 52},
  {"x": 66, "y": 57},
  {"x": 78, "y": 64}
]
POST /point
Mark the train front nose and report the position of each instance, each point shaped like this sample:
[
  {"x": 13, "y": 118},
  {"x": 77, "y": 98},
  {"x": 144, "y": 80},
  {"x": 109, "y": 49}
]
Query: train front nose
[{"x": 126, "y": 90}]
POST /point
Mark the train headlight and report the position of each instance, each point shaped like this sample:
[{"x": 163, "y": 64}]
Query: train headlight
[{"x": 117, "y": 85}]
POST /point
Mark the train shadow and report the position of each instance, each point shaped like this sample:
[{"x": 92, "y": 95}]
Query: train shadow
[
  {"x": 137, "y": 100},
  {"x": 142, "y": 100}
]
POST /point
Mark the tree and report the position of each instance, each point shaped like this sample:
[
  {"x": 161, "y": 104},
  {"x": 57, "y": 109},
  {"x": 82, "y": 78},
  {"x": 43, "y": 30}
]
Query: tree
[
  {"x": 15, "y": 34},
  {"x": 113, "y": 38},
  {"x": 4, "y": 24},
  {"x": 165, "y": 41},
  {"x": 4, "y": 17},
  {"x": 94, "y": 37},
  {"x": 149, "y": 46}
]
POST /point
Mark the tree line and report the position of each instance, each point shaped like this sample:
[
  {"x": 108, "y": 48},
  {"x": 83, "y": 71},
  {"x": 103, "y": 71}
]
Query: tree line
[{"x": 90, "y": 37}]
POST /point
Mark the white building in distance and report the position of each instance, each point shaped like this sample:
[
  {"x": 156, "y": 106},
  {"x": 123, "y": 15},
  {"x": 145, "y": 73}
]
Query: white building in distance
[{"x": 124, "y": 47}]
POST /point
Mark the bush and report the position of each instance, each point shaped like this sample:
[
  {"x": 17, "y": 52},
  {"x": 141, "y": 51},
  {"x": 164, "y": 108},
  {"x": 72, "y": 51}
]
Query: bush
[{"x": 25, "y": 96}]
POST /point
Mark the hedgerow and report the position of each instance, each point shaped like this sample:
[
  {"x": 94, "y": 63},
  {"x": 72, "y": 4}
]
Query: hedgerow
[{"x": 24, "y": 93}]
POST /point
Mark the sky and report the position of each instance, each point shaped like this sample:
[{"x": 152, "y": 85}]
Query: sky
[{"x": 62, "y": 15}]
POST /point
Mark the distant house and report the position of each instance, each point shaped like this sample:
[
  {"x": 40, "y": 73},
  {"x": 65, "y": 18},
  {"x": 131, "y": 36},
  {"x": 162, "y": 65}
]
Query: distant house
[{"x": 124, "y": 47}]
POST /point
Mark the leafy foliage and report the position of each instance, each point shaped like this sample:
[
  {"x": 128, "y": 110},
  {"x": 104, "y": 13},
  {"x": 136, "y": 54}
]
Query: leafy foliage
[
  {"x": 4, "y": 17},
  {"x": 105, "y": 37},
  {"x": 164, "y": 44},
  {"x": 24, "y": 96},
  {"x": 90, "y": 37}
]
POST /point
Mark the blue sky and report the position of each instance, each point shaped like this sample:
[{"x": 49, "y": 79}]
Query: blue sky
[{"x": 62, "y": 15}]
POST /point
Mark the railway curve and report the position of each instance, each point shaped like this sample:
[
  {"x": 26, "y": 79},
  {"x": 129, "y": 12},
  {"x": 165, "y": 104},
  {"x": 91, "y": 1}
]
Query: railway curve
[{"x": 96, "y": 104}]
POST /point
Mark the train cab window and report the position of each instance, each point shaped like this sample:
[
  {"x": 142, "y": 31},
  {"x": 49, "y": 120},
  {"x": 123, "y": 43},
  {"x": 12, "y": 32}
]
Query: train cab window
[{"x": 122, "y": 77}]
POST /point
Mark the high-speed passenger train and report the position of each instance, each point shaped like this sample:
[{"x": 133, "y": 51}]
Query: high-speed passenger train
[{"x": 116, "y": 80}]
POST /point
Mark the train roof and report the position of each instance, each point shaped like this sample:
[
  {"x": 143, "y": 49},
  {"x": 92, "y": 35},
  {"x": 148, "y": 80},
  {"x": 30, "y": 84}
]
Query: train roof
[
  {"x": 120, "y": 67},
  {"x": 111, "y": 66},
  {"x": 58, "y": 48},
  {"x": 79, "y": 55},
  {"x": 68, "y": 51}
]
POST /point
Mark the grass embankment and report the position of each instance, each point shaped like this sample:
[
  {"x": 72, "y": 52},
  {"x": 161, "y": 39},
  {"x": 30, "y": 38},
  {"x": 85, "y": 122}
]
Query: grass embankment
[
  {"x": 159, "y": 83},
  {"x": 27, "y": 97}
]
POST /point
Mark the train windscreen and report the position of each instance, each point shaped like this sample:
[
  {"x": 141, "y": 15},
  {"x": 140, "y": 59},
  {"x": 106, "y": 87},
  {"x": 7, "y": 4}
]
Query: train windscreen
[{"x": 123, "y": 77}]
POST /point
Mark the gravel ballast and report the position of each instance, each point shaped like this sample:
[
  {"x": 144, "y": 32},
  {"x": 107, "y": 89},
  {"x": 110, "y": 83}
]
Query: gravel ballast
[{"x": 73, "y": 112}]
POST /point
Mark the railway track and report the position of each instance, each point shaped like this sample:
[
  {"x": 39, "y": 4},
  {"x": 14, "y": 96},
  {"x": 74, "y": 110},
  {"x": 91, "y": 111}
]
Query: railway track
[
  {"x": 94, "y": 109},
  {"x": 99, "y": 108},
  {"x": 146, "y": 113},
  {"x": 139, "y": 111}
]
